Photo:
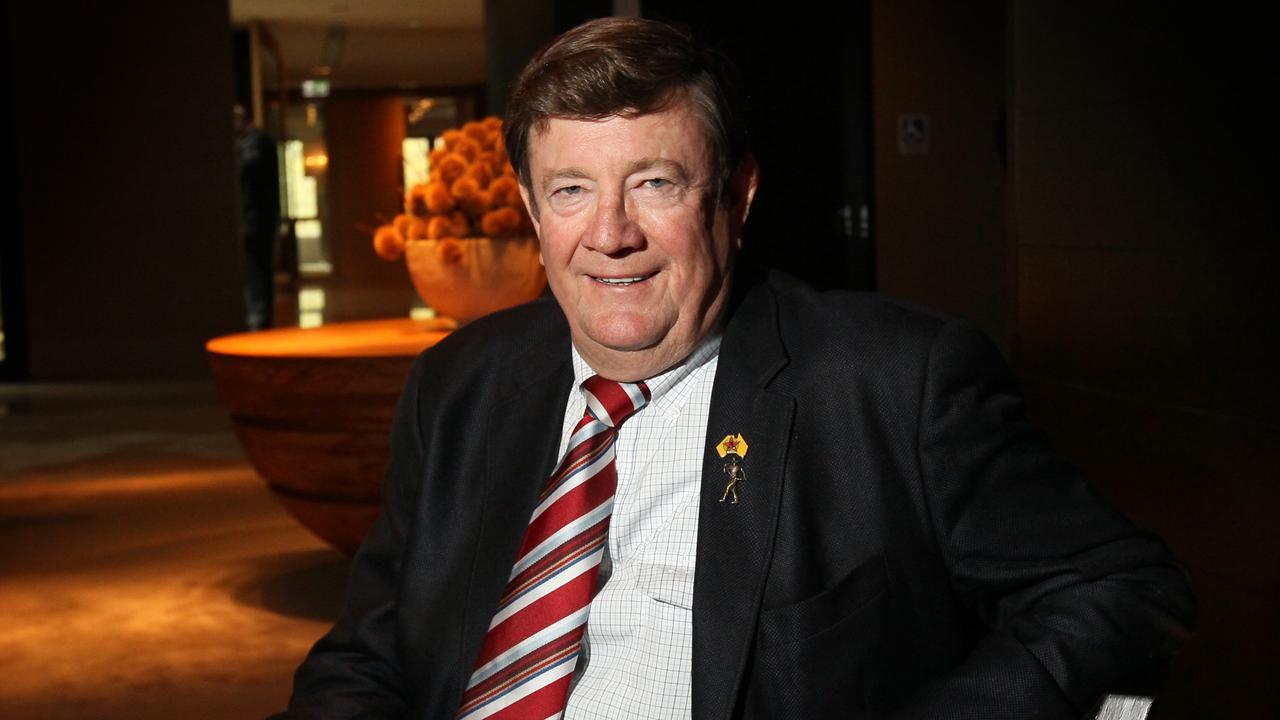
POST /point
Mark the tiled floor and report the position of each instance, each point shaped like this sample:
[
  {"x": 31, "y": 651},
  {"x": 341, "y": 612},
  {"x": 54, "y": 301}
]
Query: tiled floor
[{"x": 145, "y": 572}]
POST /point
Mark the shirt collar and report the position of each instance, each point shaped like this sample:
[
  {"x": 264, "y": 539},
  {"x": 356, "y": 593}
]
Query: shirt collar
[{"x": 663, "y": 381}]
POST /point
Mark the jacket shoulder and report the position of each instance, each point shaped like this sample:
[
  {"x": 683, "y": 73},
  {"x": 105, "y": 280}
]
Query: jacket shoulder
[
  {"x": 852, "y": 324},
  {"x": 536, "y": 329}
]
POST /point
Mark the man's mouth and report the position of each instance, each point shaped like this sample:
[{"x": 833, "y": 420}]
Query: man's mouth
[{"x": 622, "y": 281}]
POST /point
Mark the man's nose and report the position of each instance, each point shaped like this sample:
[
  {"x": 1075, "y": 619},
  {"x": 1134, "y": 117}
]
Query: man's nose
[{"x": 612, "y": 228}]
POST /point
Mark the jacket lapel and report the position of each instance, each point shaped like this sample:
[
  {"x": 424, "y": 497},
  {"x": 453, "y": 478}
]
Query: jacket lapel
[{"x": 735, "y": 541}]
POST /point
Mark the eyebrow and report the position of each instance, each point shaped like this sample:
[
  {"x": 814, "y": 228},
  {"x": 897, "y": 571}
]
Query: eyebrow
[{"x": 646, "y": 163}]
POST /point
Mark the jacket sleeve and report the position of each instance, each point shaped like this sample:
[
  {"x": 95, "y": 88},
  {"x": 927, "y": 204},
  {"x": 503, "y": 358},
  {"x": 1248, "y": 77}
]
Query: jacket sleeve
[
  {"x": 1073, "y": 600},
  {"x": 353, "y": 671}
]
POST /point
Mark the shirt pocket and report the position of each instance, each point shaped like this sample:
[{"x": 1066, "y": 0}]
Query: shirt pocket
[{"x": 666, "y": 584}]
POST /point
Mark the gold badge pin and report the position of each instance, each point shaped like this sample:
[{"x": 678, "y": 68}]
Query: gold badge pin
[{"x": 733, "y": 448}]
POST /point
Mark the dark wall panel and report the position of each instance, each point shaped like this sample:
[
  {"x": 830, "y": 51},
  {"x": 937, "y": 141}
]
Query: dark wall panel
[
  {"x": 1147, "y": 301},
  {"x": 1186, "y": 329},
  {"x": 125, "y": 154},
  {"x": 941, "y": 237}
]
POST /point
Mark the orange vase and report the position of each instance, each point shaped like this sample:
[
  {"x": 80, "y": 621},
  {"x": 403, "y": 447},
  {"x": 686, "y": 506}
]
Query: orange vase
[{"x": 465, "y": 278}]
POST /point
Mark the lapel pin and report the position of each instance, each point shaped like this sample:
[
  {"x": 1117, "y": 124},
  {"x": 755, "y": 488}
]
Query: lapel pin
[{"x": 733, "y": 448}]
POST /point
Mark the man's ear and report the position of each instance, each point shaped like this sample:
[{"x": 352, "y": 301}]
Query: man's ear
[
  {"x": 742, "y": 191},
  {"x": 747, "y": 181}
]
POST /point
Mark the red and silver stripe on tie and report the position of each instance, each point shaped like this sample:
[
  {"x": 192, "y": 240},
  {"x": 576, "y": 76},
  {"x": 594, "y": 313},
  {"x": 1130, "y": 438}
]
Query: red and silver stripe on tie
[{"x": 534, "y": 639}]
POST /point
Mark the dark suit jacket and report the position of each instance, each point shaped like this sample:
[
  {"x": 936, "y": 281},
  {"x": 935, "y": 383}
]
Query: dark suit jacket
[{"x": 906, "y": 545}]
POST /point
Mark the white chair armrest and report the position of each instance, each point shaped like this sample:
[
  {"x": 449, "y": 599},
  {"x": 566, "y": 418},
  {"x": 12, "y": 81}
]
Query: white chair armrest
[{"x": 1124, "y": 707}]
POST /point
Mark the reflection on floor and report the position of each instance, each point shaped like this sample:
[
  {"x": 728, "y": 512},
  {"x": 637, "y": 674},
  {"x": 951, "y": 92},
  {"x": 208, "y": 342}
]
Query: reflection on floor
[{"x": 145, "y": 572}]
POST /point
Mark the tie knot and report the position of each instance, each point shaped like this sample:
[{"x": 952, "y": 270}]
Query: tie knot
[{"x": 612, "y": 402}]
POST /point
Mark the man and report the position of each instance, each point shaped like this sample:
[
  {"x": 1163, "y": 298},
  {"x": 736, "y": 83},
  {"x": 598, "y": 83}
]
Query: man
[
  {"x": 259, "y": 217},
  {"x": 802, "y": 505}
]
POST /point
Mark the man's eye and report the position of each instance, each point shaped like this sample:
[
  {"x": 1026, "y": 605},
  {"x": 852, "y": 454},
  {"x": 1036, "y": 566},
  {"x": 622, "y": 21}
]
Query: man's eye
[
  {"x": 568, "y": 190},
  {"x": 657, "y": 183}
]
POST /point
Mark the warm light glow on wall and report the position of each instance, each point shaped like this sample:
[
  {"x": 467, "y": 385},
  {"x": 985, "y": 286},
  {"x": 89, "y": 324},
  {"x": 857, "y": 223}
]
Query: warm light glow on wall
[
  {"x": 317, "y": 162},
  {"x": 310, "y": 307},
  {"x": 312, "y": 258},
  {"x": 416, "y": 164},
  {"x": 300, "y": 190},
  {"x": 307, "y": 229},
  {"x": 311, "y": 299},
  {"x": 420, "y": 110}
]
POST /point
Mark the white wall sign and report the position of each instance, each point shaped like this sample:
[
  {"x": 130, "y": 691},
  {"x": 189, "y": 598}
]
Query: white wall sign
[{"x": 913, "y": 134}]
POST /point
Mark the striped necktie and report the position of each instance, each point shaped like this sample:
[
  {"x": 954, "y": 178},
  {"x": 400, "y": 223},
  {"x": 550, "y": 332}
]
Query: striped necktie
[{"x": 532, "y": 646}]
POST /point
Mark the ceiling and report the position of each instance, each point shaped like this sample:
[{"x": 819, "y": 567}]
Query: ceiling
[{"x": 373, "y": 43}]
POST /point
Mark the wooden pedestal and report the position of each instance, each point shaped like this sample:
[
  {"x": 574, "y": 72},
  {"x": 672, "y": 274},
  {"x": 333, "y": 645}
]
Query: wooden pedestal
[{"x": 313, "y": 410}]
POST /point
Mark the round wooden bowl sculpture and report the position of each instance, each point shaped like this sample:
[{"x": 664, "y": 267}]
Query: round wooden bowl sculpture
[{"x": 312, "y": 410}]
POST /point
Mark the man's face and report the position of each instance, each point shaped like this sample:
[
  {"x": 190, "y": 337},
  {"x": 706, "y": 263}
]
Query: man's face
[{"x": 637, "y": 247}]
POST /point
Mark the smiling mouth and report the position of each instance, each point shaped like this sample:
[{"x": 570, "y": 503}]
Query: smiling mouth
[{"x": 622, "y": 281}]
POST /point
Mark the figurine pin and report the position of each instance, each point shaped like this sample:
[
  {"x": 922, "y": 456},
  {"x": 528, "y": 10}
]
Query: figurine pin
[{"x": 733, "y": 448}]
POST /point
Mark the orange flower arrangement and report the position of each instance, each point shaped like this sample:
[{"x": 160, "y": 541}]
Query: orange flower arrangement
[{"x": 471, "y": 190}]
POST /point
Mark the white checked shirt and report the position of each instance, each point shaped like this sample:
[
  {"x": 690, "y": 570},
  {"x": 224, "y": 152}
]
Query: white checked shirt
[{"x": 638, "y": 648}]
